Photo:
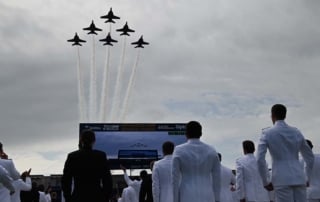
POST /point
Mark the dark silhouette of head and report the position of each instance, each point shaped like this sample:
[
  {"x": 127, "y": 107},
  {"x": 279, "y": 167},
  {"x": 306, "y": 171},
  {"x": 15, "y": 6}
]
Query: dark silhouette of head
[
  {"x": 87, "y": 139},
  {"x": 248, "y": 147},
  {"x": 193, "y": 130},
  {"x": 41, "y": 187},
  {"x": 2, "y": 154},
  {"x": 278, "y": 112},
  {"x": 309, "y": 143},
  {"x": 167, "y": 148},
  {"x": 143, "y": 174}
]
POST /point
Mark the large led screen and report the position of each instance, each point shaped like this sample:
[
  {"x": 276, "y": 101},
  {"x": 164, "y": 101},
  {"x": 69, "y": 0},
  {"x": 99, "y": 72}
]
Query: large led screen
[{"x": 138, "y": 143}]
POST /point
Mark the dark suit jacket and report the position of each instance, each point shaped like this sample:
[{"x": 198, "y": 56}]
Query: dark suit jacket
[{"x": 90, "y": 173}]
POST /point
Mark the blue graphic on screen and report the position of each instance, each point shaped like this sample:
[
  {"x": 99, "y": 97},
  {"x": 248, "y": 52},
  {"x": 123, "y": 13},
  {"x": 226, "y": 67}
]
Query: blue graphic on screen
[{"x": 113, "y": 142}]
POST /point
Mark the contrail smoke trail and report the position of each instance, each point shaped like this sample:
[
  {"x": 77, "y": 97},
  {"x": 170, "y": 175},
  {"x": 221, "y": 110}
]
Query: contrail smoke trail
[
  {"x": 116, "y": 100},
  {"x": 128, "y": 92},
  {"x": 82, "y": 114},
  {"x": 93, "y": 85},
  {"x": 105, "y": 91}
]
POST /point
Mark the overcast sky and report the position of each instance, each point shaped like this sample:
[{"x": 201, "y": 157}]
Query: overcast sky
[{"x": 221, "y": 62}]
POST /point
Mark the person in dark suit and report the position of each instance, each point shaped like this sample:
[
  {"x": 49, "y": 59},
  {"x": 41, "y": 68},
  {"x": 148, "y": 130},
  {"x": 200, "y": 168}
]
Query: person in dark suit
[
  {"x": 89, "y": 171},
  {"x": 145, "y": 194}
]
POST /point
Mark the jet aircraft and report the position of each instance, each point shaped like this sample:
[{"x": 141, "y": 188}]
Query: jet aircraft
[
  {"x": 140, "y": 43},
  {"x": 110, "y": 17},
  {"x": 92, "y": 28},
  {"x": 125, "y": 30},
  {"x": 108, "y": 40},
  {"x": 77, "y": 41}
]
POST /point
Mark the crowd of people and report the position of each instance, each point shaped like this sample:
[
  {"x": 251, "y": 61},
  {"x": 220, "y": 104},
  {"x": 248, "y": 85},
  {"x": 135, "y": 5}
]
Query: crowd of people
[
  {"x": 19, "y": 188},
  {"x": 194, "y": 172}
]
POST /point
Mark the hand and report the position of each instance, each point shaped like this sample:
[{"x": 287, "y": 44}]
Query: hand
[
  {"x": 269, "y": 187},
  {"x": 28, "y": 172}
]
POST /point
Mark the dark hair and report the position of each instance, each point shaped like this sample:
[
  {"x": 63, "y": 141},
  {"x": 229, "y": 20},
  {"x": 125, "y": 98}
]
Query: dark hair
[
  {"x": 248, "y": 146},
  {"x": 309, "y": 143},
  {"x": 220, "y": 157},
  {"x": 143, "y": 174},
  {"x": 193, "y": 129},
  {"x": 167, "y": 148},
  {"x": 1, "y": 149},
  {"x": 279, "y": 111},
  {"x": 87, "y": 137}
]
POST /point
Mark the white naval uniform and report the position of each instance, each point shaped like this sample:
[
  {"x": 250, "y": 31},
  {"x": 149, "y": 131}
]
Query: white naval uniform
[
  {"x": 195, "y": 172},
  {"x": 8, "y": 165},
  {"x": 227, "y": 178},
  {"x": 161, "y": 180},
  {"x": 129, "y": 195},
  {"x": 313, "y": 191},
  {"x": 135, "y": 184},
  {"x": 288, "y": 177},
  {"x": 6, "y": 184},
  {"x": 249, "y": 185}
]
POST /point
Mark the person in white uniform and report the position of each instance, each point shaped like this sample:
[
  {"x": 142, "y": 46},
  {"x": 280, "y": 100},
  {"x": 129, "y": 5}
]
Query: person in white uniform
[
  {"x": 284, "y": 144},
  {"x": 135, "y": 184},
  {"x": 249, "y": 185},
  {"x": 8, "y": 165},
  {"x": 313, "y": 190},
  {"x": 195, "y": 169},
  {"x": 129, "y": 195},
  {"x": 228, "y": 182},
  {"x": 161, "y": 175}
]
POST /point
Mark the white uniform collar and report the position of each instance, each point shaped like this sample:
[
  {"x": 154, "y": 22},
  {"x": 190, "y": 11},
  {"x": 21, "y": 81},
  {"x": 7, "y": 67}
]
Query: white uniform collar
[
  {"x": 194, "y": 140},
  {"x": 280, "y": 122},
  {"x": 249, "y": 154},
  {"x": 169, "y": 156}
]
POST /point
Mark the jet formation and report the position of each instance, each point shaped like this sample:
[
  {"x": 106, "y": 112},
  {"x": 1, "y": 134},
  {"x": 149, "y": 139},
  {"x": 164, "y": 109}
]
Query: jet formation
[
  {"x": 77, "y": 41},
  {"x": 108, "y": 40}
]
